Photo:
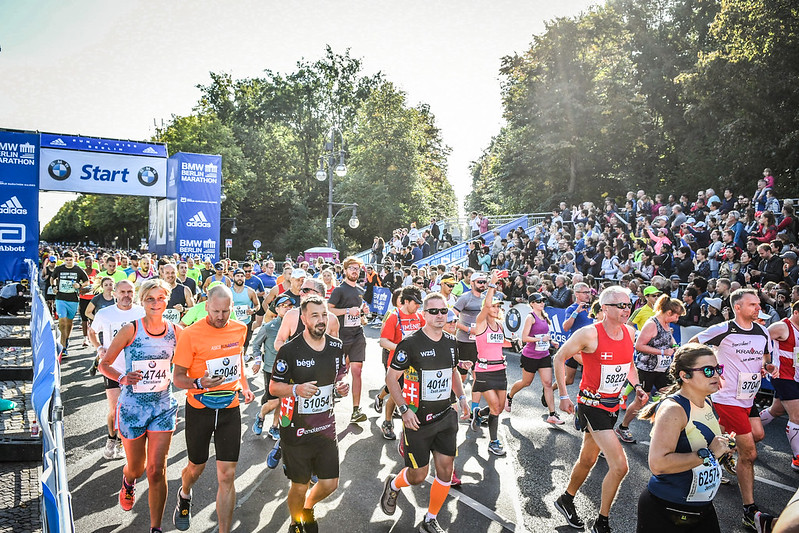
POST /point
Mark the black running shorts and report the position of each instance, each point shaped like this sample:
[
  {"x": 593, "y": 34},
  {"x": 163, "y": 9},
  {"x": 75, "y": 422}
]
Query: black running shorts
[
  {"x": 355, "y": 349},
  {"x": 467, "y": 351},
  {"x": 440, "y": 436},
  {"x": 532, "y": 366},
  {"x": 314, "y": 454},
  {"x": 595, "y": 418},
  {"x": 223, "y": 424},
  {"x": 656, "y": 380},
  {"x": 485, "y": 381},
  {"x": 267, "y": 395}
]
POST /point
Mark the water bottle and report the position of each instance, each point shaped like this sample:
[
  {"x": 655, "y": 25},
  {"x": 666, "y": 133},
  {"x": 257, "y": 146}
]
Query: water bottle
[{"x": 34, "y": 428}]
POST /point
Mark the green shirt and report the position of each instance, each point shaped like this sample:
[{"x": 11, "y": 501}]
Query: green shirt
[{"x": 194, "y": 314}]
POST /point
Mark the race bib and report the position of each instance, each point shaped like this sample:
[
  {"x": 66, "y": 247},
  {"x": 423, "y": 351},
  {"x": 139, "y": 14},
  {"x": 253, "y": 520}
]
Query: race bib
[
  {"x": 496, "y": 337},
  {"x": 612, "y": 378},
  {"x": 173, "y": 315},
  {"x": 351, "y": 321},
  {"x": 50, "y": 289},
  {"x": 705, "y": 483},
  {"x": 541, "y": 346},
  {"x": 436, "y": 384},
  {"x": 664, "y": 362},
  {"x": 796, "y": 356},
  {"x": 240, "y": 312},
  {"x": 748, "y": 385},
  {"x": 227, "y": 367},
  {"x": 320, "y": 402},
  {"x": 66, "y": 286},
  {"x": 156, "y": 375}
]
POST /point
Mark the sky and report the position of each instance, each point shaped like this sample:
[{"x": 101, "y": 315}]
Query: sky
[{"x": 110, "y": 69}]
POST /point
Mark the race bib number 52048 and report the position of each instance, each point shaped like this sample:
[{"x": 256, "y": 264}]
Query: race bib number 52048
[{"x": 225, "y": 367}]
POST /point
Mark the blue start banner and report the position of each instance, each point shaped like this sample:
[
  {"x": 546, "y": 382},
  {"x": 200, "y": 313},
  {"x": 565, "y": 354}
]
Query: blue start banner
[
  {"x": 194, "y": 188},
  {"x": 19, "y": 203}
]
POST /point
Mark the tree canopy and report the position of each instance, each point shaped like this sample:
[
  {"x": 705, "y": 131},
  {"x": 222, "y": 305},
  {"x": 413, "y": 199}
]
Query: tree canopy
[
  {"x": 271, "y": 132},
  {"x": 660, "y": 95}
]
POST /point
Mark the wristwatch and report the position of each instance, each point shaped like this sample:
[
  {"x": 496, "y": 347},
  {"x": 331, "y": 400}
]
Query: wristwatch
[
  {"x": 706, "y": 456},
  {"x": 402, "y": 409},
  {"x": 198, "y": 384}
]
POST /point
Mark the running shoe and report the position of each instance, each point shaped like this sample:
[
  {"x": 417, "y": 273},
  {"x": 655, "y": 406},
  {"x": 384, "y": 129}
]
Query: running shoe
[
  {"x": 274, "y": 433},
  {"x": 730, "y": 464},
  {"x": 555, "y": 420},
  {"x": 93, "y": 368},
  {"x": 156, "y": 530},
  {"x": 601, "y": 527},
  {"x": 357, "y": 416},
  {"x": 764, "y": 522},
  {"x": 388, "y": 430},
  {"x": 496, "y": 448},
  {"x": 795, "y": 463},
  {"x": 566, "y": 508},
  {"x": 378, "y": 405},
  {"x": 181, "y": 518},
  {"x": 296, "y": 528},
  {"x": 430, "y": 525},
  {"x": 624, "y": 434},
  {"x": 127, "y": 495},
  {"x": 749, "y": 517},
  {"x": 108, "y": 451},
  {"x": 119, "y": 450},
  {"x": 309, "y": 523},
  {"x": 543, "y": 399},
  {"x": 508, "y": 402},
  {"x": 85, "y": 343},
  {"x": 456, "y": 481},
  {"x": 258, "y": 425},
  {"x": 388, "y": 500},
  {"x": 477, "y": 420},
  {"x": 273, "y": 458}
]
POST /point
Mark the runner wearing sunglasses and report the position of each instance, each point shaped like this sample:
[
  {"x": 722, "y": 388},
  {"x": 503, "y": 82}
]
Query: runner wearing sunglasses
[
  {"x": 687, "y": 442},
  {"x": 607, "y": 355},
  {"x": 743, "y": 349}
]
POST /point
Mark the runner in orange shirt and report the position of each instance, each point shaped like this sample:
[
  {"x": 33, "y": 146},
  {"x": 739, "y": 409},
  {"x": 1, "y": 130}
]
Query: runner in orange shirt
[{"x": 209, "y": 364}]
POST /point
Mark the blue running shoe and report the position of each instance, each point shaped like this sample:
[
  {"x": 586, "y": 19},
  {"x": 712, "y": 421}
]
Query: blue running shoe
[
  {"x": 274, "y": 433},
  {"x": 273, "y": 459},
  {"x": 258, "y": 425}
]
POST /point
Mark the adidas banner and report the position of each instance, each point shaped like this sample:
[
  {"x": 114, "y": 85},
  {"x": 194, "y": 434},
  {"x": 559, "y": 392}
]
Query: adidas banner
[
  {"x": 102, "y": 166},
  {"x": 19, "y": 203},
  {"x": 195, "y": 184}
]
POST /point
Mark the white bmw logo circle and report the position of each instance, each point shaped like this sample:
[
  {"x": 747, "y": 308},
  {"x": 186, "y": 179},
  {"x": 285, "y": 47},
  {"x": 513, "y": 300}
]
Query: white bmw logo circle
[
  {"x": 59, "y": 170},
  {"x": 148, "y": 176}
]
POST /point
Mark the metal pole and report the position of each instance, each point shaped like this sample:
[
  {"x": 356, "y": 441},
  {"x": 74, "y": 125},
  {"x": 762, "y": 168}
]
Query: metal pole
[{"x": 330, "y": 198}]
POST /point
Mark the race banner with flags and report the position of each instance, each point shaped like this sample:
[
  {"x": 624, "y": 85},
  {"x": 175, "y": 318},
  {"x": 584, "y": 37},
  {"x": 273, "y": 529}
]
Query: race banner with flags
[{"x": 19, "y": 203}]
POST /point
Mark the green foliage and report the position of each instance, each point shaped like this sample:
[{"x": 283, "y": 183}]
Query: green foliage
[
  {"x": 270, "y": 132},
  {"x": 664, "y": 95}
]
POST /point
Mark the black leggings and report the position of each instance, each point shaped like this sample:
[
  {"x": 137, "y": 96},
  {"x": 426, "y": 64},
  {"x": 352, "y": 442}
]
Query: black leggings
[{"x": 654, "y": 517}]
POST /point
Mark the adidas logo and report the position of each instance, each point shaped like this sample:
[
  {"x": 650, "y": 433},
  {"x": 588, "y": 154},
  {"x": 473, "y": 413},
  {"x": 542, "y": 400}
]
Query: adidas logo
[
  {"x": 149, "y": 150},
  {"x": 198, "y": 221},
  {"x": 13, "y": 207},
  {"x": 58, "y": 142}
]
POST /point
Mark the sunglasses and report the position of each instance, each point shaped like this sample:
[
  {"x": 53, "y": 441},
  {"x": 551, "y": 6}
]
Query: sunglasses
[
  {"x": 437, "y": 310},
  {"x": 622, "y": 305},
  {"x": 450, "y": 285},
  {"x": 306, "y": 290},
  {"x": 248, "y": 271},
  {"x": 480, "y": 281},
  {"x": 709, "y": 369}
]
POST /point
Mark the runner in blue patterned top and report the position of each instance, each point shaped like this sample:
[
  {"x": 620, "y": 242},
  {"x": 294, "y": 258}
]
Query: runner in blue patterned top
[{"x": 147, "y": 407}]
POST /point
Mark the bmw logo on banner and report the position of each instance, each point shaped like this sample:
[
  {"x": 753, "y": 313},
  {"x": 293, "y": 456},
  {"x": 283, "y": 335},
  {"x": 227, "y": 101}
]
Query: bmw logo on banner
[
  {"x": 148, "y": 176},
  {"x": 513, "y": 320},
  {"x": 59, "y": 170}
]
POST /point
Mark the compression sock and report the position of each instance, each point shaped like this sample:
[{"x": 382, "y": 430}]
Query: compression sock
[
  {"x": 567, "y": 497},
  {"x": 475, "y": 405},
  {"x": 438, "y": 494},
  {"x": 603, "y": 520},
  {"x": 401, "y": 480},
  {"x": 766, "y": 417},
  {"x": 626, "y": 392},
  {"x": 493, "y": 423},
  {"x": 792, "y": 431}
]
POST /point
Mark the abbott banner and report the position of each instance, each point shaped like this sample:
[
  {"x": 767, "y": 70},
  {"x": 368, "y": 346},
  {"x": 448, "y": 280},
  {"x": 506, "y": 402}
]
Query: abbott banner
[
  {"x": 102, "y": 166},
  {"x": 19, "y": 203}
]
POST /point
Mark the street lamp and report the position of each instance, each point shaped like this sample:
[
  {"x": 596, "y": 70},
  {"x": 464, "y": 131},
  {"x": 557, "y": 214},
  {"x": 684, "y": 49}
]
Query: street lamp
[
  {"x": 327, "y": 167},
  {"x": 233, "y": 229}
]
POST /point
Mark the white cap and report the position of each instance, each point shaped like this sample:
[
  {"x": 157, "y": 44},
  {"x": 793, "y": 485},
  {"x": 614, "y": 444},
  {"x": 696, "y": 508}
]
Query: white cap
[{"x": 478, "y": 275}]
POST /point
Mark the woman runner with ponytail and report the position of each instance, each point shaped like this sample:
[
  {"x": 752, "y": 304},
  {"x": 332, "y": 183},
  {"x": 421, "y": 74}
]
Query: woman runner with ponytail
[{"x": 686, "y": 445}]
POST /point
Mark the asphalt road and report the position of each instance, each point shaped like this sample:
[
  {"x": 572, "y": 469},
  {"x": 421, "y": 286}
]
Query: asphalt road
[{"x": 513, "y": 493}]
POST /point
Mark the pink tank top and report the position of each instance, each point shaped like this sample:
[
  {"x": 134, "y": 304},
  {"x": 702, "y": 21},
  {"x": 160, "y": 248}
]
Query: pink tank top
[{"x": 489, "y": 350}]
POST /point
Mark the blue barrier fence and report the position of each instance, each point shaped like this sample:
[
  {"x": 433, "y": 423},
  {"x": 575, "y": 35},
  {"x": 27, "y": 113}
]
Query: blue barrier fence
[
  {"x": 56, "y": 505},
  {"x": 461, "y": 250}
]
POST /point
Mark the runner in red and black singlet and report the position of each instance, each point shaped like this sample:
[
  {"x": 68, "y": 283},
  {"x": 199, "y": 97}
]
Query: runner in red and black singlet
[
  {"x": 607, "y": 352},
  {"x": 786, "y": 386}
]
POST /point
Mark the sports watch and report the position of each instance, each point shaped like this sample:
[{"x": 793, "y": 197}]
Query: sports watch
[
  {"x": 706, "y": 456},
  {"x": 403, "y": 409}
]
